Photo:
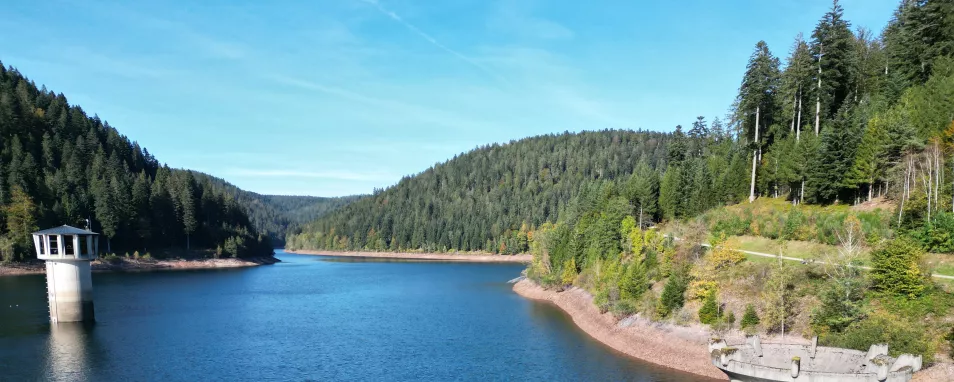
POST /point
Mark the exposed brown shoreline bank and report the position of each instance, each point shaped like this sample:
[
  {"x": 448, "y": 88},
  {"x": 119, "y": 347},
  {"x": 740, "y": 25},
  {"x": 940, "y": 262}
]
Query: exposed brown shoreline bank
[
  {"x": 131, "y": 265},
  {"x": 676, "y": 347},
  {"x": 462, "y": 257},
  {"x": 679, "y": 348},
  {"x": 682, "y": 349}
]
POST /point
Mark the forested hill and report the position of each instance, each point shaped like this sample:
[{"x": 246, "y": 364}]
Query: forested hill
[
  {"x": 275, "y": 215},
  {"x": 489, "y": 198},
  {"x": 850, "y": 115},
  {"x": 60, "y": 166}
]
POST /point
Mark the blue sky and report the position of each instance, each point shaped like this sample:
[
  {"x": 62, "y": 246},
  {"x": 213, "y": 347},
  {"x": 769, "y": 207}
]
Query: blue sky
[{"x": 336, "y": 97}]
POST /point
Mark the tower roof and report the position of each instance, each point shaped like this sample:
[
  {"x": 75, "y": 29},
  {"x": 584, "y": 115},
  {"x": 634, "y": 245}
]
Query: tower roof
[{"x": 65, "y": 230}]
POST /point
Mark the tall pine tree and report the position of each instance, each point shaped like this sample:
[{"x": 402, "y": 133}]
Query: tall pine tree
[{"x": 756, "y": 102}]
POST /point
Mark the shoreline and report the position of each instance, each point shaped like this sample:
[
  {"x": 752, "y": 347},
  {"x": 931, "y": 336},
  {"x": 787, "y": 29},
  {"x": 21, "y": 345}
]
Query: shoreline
[
  {"x": 676, "y": 347},
  {"x": 459, "y": 257},
  {"x": 131, "y": 265},
  {"x": 679, "y": 348}
]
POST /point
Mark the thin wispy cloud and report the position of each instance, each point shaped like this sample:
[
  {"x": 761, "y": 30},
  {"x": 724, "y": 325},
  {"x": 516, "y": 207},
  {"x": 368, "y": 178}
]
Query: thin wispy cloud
[
  {"x": 516, "y": 19},
  {"x": 201, "y": 42},
  {"x": 421, "y": 113},
  {"x": 114, "y": 65},
  {"x": 433, "y": 41},
  {"x": 337, "y": 97}
]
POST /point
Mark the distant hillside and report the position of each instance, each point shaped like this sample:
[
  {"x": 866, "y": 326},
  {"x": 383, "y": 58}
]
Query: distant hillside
[
  {"x": 486, "y": 199},
  {"x": 277, "y": 215},
  {"x": 60, "y": 166}
]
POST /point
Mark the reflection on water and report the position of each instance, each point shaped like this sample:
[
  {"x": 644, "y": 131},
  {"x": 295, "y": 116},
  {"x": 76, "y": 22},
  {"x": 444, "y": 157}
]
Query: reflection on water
[
  {"x": 67, "y": 350},
  {"x": 357, "y": 259},
  {"x": 307, "y": 318}
]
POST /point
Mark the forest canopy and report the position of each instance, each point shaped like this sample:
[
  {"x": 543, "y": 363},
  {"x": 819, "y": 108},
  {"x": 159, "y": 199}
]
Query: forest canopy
[
  {"x": 60, "y": 166},
  {"x": 847, "y": 116}
]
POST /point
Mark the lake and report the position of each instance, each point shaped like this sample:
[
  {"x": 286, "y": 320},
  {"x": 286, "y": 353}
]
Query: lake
[{"x": 307, "y": 318}]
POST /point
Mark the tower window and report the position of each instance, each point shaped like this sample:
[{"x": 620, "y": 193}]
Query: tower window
[{"x": 54, "y": 246}]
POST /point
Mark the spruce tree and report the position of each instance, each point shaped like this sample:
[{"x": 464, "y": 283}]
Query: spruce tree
[
  {"x": 756, "y": 104},
  {"x": 671, "y": 193},
  {"x": 834, "y": 53},
  {"x": 673, "y": 294},
  {"x": 869, "y": 159},
  {"x": 795, "y": 85},
  {"x": 106, "y": 213},
  {"x": 920, "y": 32},
  {"x": 678, "y": 147},
  {"x": 750, "y": 319},
  {"x": 140, "y": 204},
  {"x": 21, "y": 221},
  {"x": 835, "y": 159},
  {"x": 698, "y": 136},
  {"x": 634, "y": 281},
  {"x": 709, "y": 313},
  {"x": 700, "y": 195}
]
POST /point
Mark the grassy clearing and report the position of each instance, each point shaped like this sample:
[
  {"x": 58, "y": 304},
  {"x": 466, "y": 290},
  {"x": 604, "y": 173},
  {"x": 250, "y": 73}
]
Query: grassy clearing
[
  {"x": 793, "y": 248},
  {"x": 779, "y": 219},
  {"x": 939, "y": 263},
  {"x": 808, "y": 232}
]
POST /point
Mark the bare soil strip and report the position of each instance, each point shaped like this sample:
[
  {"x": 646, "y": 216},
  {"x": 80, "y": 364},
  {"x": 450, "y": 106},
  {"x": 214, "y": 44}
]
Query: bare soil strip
[
  {"x": 462, "y": 257},
  {"x": 680, "y": 348},
  {"x": 132, "y": 265}
]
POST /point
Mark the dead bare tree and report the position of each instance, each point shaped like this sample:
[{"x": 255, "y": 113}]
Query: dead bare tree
[{"x": 842, "y": 265}]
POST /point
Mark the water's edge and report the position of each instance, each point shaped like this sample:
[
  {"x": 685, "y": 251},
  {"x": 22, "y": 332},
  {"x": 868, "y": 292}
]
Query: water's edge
[
  {"x": 639, "y": 340},
  {"x": 38, "y": 268},
  {"x": 460, "y": 257}
]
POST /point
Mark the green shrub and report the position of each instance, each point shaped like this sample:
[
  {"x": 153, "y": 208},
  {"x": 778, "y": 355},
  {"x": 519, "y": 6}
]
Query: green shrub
[
  {"x": 634, "y": 281},
  {"x": 750, "y": 318},
  {"x": 112, "y": 258},
  {"x": 775, "y": 218},
  {"x": 793, "y": 222},
  {"x": 950, "y": 342},
  {"x": 895, "y": 268},
  {"x": 673, "y": 294},
  {"x": 902, "y": 335},
  {"x": 602, "y": 300},
  {"x": 731, "y": 225},
  {"x": 624, "y": 308},
  {"x": 569, "y": 272},
  {"x": 915, "y": 211},
  {"x": 937, "y": 235},
  {"x": 730, "y": 318},
  {"x": 837, "y": 311},
  {"x": 709, "y": 312}
]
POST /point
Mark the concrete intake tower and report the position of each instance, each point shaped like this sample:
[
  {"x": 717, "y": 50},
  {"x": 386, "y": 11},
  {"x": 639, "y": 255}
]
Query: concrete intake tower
[{"x": 68, "y": 252}]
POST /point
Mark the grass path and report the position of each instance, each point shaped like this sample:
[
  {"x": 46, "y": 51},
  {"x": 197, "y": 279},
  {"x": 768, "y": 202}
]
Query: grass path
[{"x": 808, "y": 261}]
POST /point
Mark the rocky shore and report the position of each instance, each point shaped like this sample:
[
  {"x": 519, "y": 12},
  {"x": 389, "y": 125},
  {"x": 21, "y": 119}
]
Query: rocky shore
[
  {"x": 462, "y": 257},
  {"x": 133, "y": 265}
]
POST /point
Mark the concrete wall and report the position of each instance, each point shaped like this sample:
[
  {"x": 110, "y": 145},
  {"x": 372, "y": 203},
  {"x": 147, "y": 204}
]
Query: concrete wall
[
  {"x": 757, "y": 362},
  {"x": 70, "y": 290}
]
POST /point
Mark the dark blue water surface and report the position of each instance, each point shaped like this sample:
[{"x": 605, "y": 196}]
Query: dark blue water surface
[{"x": 307, "y": 318}]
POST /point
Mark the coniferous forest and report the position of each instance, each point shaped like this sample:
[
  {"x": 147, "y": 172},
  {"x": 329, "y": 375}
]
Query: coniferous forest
[
  {"x": 277, "y": 215},
  {"x": 490, "y": 198},
  {"x": 60, "y": 166},
  {"x": 841, "y": 116}
]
